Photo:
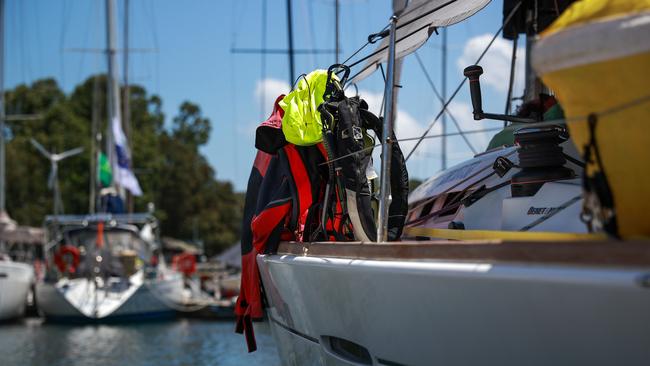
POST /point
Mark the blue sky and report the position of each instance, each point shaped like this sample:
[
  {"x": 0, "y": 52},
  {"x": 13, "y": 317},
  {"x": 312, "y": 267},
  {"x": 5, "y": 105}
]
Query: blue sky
[{"x": 188, "y": 57}]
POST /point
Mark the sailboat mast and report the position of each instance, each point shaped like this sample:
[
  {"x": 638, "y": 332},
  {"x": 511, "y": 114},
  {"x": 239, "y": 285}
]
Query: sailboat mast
[
  {"x": 95, "y": 140},
  {"x": 443, "y": 93},
  {"x": 386, "y": 148},
  {"x": 126, "y": 95},
  {"x": 127, "y": 117},
  {"x": 2, "y": 109},
  {"x": 113, "y": 94},
  {"x": 290, "y": 41}
]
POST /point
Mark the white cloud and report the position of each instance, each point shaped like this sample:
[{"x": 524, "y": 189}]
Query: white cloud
[
  {"x": 269, "y": 90},
  {"x": 462, "y": 112},
  {"x": 265, "y": 93},
  {"x": 406, "y": 125},
  {"x": 495, "y": 63}
]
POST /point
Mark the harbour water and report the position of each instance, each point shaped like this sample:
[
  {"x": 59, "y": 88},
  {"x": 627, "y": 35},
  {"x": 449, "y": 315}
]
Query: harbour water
[{"x": 174, "y": 342}]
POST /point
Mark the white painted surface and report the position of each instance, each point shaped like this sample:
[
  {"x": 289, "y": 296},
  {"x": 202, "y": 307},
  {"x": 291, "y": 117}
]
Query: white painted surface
[
  {"x": 445, "y": 313},
  {"x": 15, "y": 280},
  {"x": 80, "y": 298}
]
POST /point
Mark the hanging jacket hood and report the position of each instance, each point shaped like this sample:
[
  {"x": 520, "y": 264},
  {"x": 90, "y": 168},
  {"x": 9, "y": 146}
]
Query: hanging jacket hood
[{"x": 301, "y": 122}]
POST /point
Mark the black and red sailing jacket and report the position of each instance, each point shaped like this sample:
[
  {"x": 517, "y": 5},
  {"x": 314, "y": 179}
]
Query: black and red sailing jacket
[{"x": 285, "y": 185}]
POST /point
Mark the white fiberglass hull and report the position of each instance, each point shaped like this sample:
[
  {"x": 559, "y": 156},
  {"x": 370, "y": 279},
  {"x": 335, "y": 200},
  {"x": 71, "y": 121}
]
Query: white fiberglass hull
[
  {"x": 77, "y": 300},
  {"x": 428, "y": 312},
  {"x": 15, "y": 280}
]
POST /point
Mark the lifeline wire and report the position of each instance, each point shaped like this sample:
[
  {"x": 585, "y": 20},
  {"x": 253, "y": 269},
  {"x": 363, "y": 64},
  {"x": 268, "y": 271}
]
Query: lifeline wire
[
  {"x": 411, "y": 139},
  {"x": 606, "y": 112},
  {"x": 507, "y": 20}
]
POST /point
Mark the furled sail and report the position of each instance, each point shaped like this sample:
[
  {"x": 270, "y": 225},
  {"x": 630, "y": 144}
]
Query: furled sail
[{"x": 416, "y": 23}]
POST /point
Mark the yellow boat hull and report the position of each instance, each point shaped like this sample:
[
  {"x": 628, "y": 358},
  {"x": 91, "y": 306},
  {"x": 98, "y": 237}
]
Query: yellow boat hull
[{"x": 601, "y": 66}]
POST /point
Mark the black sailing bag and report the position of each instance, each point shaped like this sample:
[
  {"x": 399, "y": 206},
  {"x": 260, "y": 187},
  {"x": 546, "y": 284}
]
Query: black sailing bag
[{"x": 346, "y": 122}]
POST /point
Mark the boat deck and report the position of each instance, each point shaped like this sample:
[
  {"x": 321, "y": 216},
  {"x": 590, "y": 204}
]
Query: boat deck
[{"x": 597, "y": 252}]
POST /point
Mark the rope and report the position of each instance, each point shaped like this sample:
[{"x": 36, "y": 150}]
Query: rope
[{"x": 505, "y": 22}]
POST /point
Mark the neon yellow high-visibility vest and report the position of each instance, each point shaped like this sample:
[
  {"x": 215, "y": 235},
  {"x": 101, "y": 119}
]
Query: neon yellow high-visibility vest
[{"x": 301, "y": 123}]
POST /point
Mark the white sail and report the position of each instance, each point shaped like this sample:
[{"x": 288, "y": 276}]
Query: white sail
[{"x": 415, "y": 25}]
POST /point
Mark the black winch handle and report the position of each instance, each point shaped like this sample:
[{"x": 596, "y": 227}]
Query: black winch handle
[{"x": 473, "y": 73}]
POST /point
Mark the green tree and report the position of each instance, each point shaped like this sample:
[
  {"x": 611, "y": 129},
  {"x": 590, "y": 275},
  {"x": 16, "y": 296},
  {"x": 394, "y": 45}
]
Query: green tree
[{"x": 173, "y": 173}]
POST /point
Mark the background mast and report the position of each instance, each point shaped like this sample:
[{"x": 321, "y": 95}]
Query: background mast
[
  {"x": 126, "y": 95},
  {"x": 290, "y": 41},
  {"x": 336, "y": 30},
  {"x": 113, "y": 94},
  {"x": 2, "y": 111}
]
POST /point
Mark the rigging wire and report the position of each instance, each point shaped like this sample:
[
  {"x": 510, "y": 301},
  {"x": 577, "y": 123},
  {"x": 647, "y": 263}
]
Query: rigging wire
[
  {"x": 306, "y": 17},
  {"x": 26, "y": 54},
  {"x": 312, "y": 31},
  {"x": 263, "y": 60},
  {"x": 369, "y": 41},
  {"x": 606, "y": 112},
  {"x": 442, "y": 101},
  {"x": 453, "y": 95},
  {"x": 513, "y": 60},
  {"x": 369, "y": 148},
  {"x": 383, "y": 97},
  {"x": 399, "y": 26},
  {"x": 233, "y": 98},
  {"x": 65, "y": 16},
  {"x": 238, "y": 16},
  {"x": 156, "y": 44},
  {"x": 84, "y": 43},
  {"x": 39, "y": 48}
]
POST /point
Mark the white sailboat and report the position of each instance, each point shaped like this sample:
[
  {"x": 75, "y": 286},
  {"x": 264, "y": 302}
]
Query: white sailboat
[
  {"x": 508, "y": 276},
  {"x": 15, "y": 281},
  {"x": 15, "y": 278},
  {"x": 106, "y": 268}
]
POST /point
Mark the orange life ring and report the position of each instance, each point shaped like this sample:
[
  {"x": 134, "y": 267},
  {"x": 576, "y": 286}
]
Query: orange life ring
[
  {"x": 63, "y": 265},
  {"x": 184, "y": 263}
]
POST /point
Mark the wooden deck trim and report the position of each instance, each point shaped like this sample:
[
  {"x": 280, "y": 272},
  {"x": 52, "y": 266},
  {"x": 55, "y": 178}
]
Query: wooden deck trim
[{"x": 608, "y": 253}]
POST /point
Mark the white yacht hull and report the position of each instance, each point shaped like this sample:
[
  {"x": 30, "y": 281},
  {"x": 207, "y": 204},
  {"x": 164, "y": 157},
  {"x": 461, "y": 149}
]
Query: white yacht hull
[
  {"x": 15, "y": 281},
  {"x": 74, "y": 300},
  {"x": 433, "y": 312}
]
